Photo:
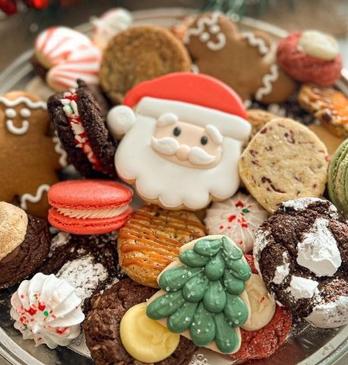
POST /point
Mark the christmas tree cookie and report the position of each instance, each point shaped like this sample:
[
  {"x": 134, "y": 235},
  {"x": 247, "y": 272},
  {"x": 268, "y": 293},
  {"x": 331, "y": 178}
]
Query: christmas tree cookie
[{"x": 202, "y": 294}]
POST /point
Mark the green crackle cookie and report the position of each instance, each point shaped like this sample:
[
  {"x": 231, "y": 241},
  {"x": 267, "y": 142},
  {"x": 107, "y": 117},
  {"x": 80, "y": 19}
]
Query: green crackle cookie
[{"x": 202, "y": 293}]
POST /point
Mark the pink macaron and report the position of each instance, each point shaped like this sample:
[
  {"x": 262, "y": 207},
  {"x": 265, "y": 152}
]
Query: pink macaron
[{"x": 89, "y": 206}]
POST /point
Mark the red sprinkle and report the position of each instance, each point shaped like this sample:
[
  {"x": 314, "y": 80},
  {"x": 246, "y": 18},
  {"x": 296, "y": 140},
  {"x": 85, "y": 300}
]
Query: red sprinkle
[
  {"x": 42, "y": 307},
  {"x": 231, "y": 218},
  {"x": 32, "y": 311},
  {"x": 239, "y": 204}
]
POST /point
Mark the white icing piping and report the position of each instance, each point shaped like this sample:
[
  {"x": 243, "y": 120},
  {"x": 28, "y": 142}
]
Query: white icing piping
[
  {"x": 205, "y": 37},
  {"x": 267, "y": 81},
  {"x": 17, "y": 130},
  {"x": 254, "y": 41},
  {"x": 63, "y": 159},
  {"x": 33, "y": 198},
  {"x": 22, "y": 99}
]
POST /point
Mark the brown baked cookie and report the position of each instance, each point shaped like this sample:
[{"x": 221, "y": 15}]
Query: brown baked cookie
[
  {"x": 328, "y": 105},
  {"x": 102, "y": 326},
  {"x": 284, "y": 161},
  {"x": 29, "y": 157},
  {"x": 138, "y": 54},
  {"x": 24, "y": 244},
  {"x": 258, "y": 119},
  {"x": 244, "y": 61},
  {"x": 151, "y": 239}
]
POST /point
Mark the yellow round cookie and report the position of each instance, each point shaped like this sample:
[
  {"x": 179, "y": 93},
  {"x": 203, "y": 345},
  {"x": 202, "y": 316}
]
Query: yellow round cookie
[{"x": 144, "y": 338}]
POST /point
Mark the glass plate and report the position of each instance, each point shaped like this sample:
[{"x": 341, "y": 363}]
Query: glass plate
[{"x": 306, "y": 346}]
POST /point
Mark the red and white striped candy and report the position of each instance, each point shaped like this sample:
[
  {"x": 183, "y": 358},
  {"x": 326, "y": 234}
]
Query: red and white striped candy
[{"x": 69, "y": 55}]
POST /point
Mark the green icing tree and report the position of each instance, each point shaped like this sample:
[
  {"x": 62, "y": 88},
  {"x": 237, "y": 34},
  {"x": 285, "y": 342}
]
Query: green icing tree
[{"x": 202, "y": 294}]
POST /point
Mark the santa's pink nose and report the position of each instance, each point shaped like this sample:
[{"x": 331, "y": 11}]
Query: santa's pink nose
[{"x": 183, "y": 152}]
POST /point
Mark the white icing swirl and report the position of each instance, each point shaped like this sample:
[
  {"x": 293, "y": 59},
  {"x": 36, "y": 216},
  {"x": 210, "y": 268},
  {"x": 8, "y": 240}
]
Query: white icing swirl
[
  {"x": 93, "y": 213},
  {"x": 47, "y": 310}
]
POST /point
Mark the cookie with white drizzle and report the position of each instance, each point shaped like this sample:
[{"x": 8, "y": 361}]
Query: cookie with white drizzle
[
  {"x": 30, "y": 157},
  {"x": 245, "y": 61}
]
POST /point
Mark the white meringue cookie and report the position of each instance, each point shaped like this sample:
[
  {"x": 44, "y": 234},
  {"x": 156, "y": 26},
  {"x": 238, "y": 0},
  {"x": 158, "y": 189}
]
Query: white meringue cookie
[{"x": 47, "y": 310}]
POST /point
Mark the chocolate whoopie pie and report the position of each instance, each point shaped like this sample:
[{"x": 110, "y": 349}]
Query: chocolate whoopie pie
[
  {"x": 80, "y": 124},
  {"x": 24, "y": 244},
  {"x": 102, "y": 326}
]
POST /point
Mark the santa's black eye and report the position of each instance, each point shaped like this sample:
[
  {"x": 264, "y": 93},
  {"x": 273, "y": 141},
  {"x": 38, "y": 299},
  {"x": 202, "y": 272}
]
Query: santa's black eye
[
  {"x": 176, "y": 131},
  {"x": 204, "y": 140}
]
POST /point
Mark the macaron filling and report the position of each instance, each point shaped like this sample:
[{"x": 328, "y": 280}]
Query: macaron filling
[
  {"x": 93, "y": 213},
  {"x": 71, "y": 111}
]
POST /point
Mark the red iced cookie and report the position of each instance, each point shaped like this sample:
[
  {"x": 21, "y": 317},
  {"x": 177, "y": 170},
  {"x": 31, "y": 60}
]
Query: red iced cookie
[
  {"x": 89, "y": 206},
  {"x": 265, "y": 342},
  {"x": 310, "y": 56}
]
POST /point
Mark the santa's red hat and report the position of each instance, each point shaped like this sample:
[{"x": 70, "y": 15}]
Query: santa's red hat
[
  {"x": 190, "y": 88},
  {"x": 195, "y": 98}
]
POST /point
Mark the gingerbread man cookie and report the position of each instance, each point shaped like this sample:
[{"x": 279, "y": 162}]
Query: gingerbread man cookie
[
  {"x": 30, "y": 156},
  {"x": 244, "y": 61}
]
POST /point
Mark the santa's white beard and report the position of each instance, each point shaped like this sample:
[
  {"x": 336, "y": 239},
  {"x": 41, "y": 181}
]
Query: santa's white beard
[{"x": 172, "y": 185}]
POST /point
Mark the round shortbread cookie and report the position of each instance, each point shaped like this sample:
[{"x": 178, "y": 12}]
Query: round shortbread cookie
[{"x": 284, "y": 161}]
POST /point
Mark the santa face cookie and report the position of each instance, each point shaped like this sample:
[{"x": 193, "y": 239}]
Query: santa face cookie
[
  {"x": 244, "y": 61},
  {"x": 29, "y": 158},
  {"x": 182, "y": 142}
]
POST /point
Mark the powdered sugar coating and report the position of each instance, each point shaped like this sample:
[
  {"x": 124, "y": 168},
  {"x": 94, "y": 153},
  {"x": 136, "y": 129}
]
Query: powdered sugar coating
[
  {"x": 282, "y": 271},
  {"x": 330, "y": 315},
  {"x": 318, "y": 250},
  {"x": 84, "y": 275}
]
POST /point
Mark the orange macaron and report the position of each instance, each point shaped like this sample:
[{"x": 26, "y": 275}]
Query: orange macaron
[{"x": 89, "y": 206}]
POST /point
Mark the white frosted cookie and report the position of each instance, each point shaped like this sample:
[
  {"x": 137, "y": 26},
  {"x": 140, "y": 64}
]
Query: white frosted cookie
[{"x": 238, "y": 218}]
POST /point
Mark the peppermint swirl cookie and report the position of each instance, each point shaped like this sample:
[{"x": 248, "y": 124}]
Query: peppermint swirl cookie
[
  {"x": 302, "y": 254},
  {"x": 238, "y": 218}
]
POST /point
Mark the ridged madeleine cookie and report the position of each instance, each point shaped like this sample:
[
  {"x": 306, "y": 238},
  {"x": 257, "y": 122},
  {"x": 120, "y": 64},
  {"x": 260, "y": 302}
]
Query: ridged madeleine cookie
[{"x": 151, "y": 239}]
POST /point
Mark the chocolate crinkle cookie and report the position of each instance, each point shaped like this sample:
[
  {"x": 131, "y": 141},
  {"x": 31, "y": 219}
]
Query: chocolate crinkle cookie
[
  {"x": 301, "y": 252},
  {"x": 102, "y": 326},
  {"x": 89, "y": 263}
]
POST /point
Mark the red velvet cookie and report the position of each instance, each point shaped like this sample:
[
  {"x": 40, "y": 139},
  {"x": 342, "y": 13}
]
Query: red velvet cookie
[{"x": 310, "y": 56}]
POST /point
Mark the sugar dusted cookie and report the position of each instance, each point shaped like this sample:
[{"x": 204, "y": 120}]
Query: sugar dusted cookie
[
  {"x": 284, "y": 161},
  {"x": 237, "y": 218},
  {"x": 328, "y": 105},
  {"x": 151, "y": 239},
  {"x": 138, "y": 54},
  {"x": 301, "y": 253},
  {"x": 244, "y": 61},
  {"x": 182, "y": 141},
  {"x": 310, "y": 56},
  {"x": 30, "y": 154},
  {"x": 63, "y": 55}
]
